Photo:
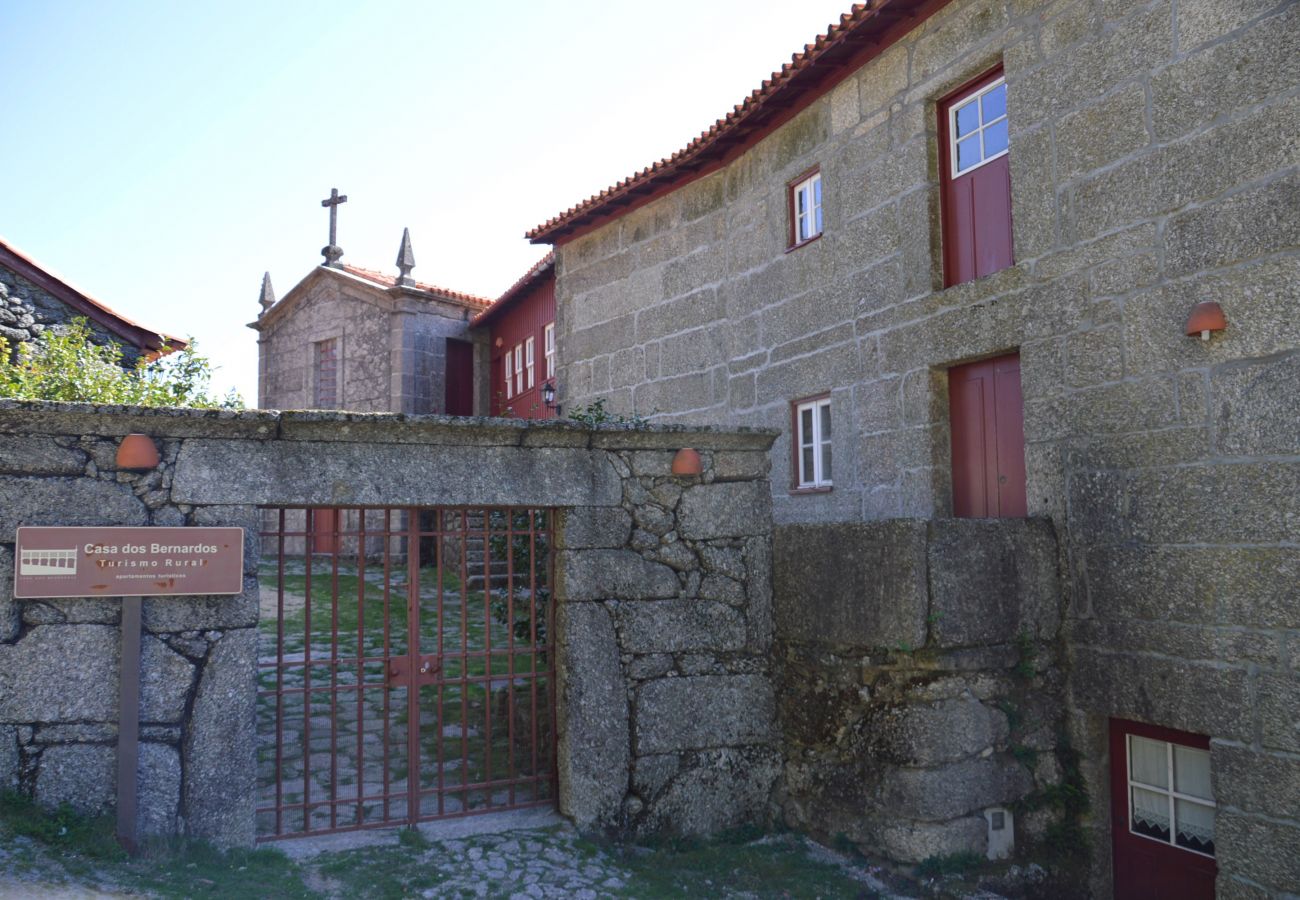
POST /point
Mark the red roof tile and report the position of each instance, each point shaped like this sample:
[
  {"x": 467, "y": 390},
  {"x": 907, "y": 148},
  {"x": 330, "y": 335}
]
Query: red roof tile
[
  {"x": 808, "y": 74},
  {"x": 540, "y": 268},
  {"x": 391, "y": 281}
]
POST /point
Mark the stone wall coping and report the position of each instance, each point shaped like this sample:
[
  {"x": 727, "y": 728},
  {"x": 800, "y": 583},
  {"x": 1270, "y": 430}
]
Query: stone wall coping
[{"x": 57, "y": 418}]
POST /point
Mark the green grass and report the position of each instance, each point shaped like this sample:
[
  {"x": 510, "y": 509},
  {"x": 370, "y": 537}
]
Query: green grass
[
  {"x": 77, "y": 851},
  {"x": 87, "y": 852},
  {"x": 735, "y": 863}
]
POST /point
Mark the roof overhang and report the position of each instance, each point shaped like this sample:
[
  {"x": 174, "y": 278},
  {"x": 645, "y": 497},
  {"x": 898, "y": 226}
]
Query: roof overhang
[
  {"x": 863, "y": 33},
  {"x": 129, "y": 331},
  {"x": 540, "y": 270}
]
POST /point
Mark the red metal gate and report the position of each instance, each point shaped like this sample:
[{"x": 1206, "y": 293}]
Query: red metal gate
[{"x": 406, "y": 673}]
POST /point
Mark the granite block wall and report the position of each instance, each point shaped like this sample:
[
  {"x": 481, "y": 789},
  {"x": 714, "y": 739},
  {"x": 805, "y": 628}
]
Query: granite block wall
[
  {"x": 666, "y": 709},
  {"x": 920, "y": 683}
]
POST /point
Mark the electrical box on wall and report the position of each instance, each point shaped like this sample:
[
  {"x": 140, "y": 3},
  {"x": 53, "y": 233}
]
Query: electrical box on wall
[{"x": 1002, "y": 832}]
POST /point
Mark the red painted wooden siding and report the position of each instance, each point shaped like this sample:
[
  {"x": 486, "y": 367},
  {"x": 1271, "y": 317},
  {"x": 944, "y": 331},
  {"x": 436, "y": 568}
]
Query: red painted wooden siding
[
  {"x": 1146, "y": 869},
  {"x": 988, "y": 439},
  {"x": 976, "y": 205},
  {"x": 459, "y": 380},
  {"x": 528, "y": 316}
]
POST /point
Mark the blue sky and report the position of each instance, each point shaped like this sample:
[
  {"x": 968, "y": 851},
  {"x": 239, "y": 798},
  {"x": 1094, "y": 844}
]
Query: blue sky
[{"x": 161, "y": 157}]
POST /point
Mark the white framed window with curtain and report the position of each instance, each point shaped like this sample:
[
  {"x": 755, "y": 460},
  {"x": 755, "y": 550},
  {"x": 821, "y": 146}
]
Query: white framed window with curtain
[
  {"x": 530, "y": 346},
  {"x": 510, "y": 375},
  {"x": 1171, "y": 797},
  {"x": 548, "y": 347},
  {"x": 519, "y": 368},
  {"x": 812, "y": 443}
]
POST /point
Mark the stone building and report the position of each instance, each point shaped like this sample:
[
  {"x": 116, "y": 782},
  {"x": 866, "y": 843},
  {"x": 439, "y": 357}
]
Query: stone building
[
  {"x": 33, "y": 298},
  {"x": 351, "y": 338},
  {"x": 953, "y": 250}
]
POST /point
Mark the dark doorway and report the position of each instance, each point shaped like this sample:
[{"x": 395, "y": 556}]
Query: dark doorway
[
  {"x": 459, "y": 379},
  {"x": 988, "y": 439}
]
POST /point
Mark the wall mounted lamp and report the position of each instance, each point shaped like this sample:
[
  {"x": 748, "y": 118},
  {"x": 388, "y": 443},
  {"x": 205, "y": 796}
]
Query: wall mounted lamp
[
  {"x": 1206, "y": 317},
  {"x": 137, "y": 453},
  {"x": 548, "y": 396}
]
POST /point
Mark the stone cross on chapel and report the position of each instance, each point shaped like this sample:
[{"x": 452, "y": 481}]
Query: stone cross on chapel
[{"x": 332, "y": 251}]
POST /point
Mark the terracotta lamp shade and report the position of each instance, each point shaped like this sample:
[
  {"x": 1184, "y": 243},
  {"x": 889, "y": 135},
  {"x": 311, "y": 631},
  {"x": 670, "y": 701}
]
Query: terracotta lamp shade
[
  {"x": 138, "y": 452},
  {"x": 1206, "y": 317},
  {"x": 687, "y": 462}
]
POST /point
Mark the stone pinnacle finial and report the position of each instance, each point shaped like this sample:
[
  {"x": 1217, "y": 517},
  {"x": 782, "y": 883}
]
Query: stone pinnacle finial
[
  {"x": 405, "y": 259},
  {"x": 268, "y": 295}
]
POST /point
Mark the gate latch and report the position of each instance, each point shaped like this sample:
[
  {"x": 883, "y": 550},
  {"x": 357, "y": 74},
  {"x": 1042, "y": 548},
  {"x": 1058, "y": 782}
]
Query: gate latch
[{"x": 417, "y": 670}]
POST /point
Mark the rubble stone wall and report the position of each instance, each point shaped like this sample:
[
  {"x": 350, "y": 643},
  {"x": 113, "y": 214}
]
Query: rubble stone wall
[
  {"x": 666, "y": 704},
  {"x": 26, "y": 310}
]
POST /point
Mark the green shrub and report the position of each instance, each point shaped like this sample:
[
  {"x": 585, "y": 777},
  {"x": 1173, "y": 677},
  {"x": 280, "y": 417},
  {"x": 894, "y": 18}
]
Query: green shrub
[{"x": 66, "y": 364}]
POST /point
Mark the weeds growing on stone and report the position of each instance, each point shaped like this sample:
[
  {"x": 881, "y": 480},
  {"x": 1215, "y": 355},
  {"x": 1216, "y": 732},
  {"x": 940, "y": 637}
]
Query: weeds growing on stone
[{"x": 950, "y": 864}]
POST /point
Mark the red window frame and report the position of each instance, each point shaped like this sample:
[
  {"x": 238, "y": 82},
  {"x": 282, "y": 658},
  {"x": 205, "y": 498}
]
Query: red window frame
[
  {"x": 792, "y": 231},
  {"x": 975, "y": 206},
  {"x": 1145, "y": 867}
]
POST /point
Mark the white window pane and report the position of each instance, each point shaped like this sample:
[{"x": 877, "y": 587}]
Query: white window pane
[
  {"x": 968, "y": 153},
  {"x": 826, "y": 421},
  {"x": 806, "y": 425},
  {"x": 1150, "y": 814},
  {"x": 806, "y": 469},
  {"x": 1192, "y": 772},
  {"x": 995, "y": 138},
  {"x": 995, "y": 103},
  {"x": 826, "y": 463},
  {"x": 1195, "y": 823},
  {"x": 968, "y": 118},
  {"x": 1148, "y": 761},
  {"x": 817, "y": 221},
  {"x": 817, "y": 191}
]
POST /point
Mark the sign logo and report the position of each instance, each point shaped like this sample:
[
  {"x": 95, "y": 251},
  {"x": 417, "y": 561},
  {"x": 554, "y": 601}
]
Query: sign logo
[{"x": 60, "y": 561}]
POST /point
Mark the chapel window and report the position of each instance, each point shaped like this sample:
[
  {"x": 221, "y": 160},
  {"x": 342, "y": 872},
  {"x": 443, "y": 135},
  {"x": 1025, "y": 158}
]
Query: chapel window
[{"x": 805, "y": 202}]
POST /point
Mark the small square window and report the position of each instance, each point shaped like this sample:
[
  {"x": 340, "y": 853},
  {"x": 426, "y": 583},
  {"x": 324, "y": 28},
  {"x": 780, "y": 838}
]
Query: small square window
[
  {"x": 812, "y": 444},
  {"x": 978, "y": 127},
  {"x": 805, "y": 208}
]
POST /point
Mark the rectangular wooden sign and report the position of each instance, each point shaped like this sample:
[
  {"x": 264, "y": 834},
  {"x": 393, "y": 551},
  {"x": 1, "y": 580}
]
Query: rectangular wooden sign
[{"x": 54, "y": 562}]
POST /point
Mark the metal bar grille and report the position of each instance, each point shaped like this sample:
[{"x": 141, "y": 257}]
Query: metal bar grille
[{"x": 406, "y": 666}]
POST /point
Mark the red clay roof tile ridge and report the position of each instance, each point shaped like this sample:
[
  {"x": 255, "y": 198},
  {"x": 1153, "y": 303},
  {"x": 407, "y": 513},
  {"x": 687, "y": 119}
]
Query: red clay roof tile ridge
[
  {"x": 857, "y": 16},
  {"x": 391, "y": 281}
]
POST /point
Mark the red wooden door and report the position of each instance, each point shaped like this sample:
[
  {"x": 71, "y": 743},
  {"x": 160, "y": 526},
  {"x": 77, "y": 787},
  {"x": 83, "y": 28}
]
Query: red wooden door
[
  {"x": 988, "y": 439},
  {"x": 324, "y": 530},
  {"x": 1160, "y": 856},
  {"x": 974, "y": 147},
  {"x": 459, "y": 380}
]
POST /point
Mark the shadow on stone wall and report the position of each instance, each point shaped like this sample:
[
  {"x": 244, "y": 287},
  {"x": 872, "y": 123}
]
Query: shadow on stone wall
[{"x": 919, "y": 682}]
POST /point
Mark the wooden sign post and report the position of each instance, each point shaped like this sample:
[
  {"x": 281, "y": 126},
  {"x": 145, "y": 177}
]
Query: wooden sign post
[{"x": 130, "y": 563}]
